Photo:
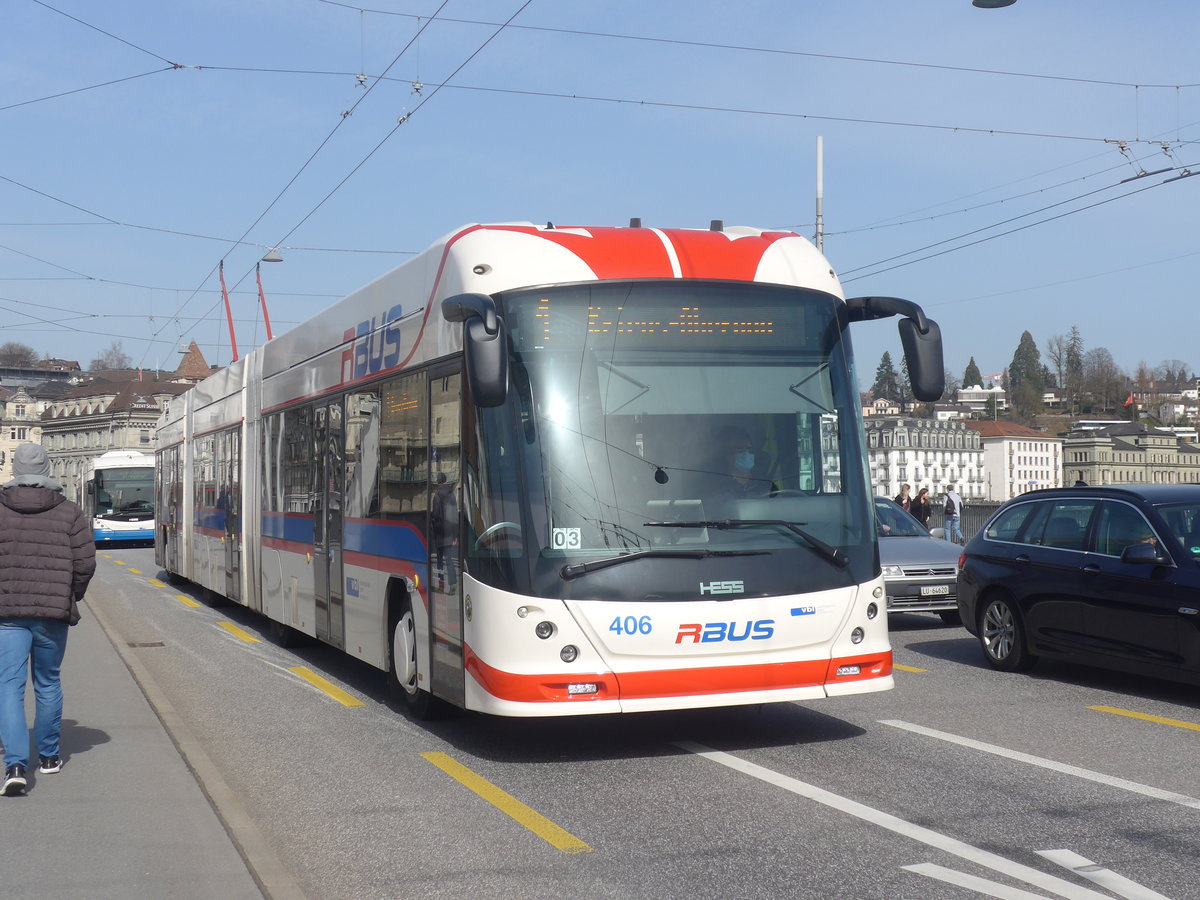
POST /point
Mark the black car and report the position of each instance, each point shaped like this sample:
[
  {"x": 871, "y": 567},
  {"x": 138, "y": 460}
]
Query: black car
[{"x": 1106, "y": 576}]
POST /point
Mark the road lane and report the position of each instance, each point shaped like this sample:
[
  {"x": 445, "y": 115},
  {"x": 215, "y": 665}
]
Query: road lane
[{"x": 353, "y": 808}]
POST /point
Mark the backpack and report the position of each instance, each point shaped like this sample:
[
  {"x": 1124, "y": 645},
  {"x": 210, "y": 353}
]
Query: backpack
[{"x": 950, "y": 510}]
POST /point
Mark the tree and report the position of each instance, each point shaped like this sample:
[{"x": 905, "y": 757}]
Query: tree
[
  {"x": 1025, "y": 382},
  {"x": 1105, "y": 385},
  {"x": 971, "y": 377},
  {"x": 14, "y": 353},
  {"x": 113, "y": 358},
  {"x": 1056, "y": 357},
  {"x": 1073, "y": 368},
  {"x": 887, "y": 381}
]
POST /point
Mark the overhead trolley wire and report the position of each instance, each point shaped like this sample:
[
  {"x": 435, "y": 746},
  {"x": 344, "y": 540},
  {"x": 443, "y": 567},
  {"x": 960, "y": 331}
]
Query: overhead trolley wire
[{"x": 772, "y": 50}]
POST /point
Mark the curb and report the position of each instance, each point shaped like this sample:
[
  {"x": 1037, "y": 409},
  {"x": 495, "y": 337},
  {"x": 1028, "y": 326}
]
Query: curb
[{"x": 264, "y": 866}]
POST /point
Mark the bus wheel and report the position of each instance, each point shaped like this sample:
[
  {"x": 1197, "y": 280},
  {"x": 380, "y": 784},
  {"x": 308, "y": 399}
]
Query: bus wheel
[{"x": 402, "y": 675}]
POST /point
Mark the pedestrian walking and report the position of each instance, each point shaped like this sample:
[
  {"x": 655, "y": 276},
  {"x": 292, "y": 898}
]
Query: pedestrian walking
[
  {"x": 47, "y": 558},
  {"x": 921, "y": 507},
  {"x": 953, "y": 510}
]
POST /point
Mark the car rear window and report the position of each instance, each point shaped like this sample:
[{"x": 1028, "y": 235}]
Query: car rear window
[
  {"x": 1066, "y": 526},
  {"x": 1007, "y": 525}
]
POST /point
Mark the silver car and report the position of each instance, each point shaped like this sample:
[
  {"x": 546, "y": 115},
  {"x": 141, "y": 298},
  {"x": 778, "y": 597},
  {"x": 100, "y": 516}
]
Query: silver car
[{"x": 920, "y": 571}]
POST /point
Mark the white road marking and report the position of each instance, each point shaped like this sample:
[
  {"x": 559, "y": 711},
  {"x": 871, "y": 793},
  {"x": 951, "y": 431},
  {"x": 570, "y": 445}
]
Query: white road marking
[
  {"x": 1101, "y": 875},
  {"x": 972, "y": 882},
  {"x": 1098, "y": 777},
  {"x": 928, "y": 836}
]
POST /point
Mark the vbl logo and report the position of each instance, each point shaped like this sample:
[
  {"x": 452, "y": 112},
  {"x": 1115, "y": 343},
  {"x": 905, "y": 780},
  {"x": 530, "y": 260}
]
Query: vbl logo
[
  {"x": 372, "y": 351},
  {"x": 713, "y": 632}
]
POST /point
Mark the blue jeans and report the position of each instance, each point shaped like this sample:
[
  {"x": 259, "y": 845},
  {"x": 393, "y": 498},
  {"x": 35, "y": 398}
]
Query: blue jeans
[
  {"x": 952, "y": 531},
  {"x": 35, "y": 645}
]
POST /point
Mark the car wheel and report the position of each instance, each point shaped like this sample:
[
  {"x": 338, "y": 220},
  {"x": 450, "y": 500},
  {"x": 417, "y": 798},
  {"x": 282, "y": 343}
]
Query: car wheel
[{"x": 1002, "y": 636}]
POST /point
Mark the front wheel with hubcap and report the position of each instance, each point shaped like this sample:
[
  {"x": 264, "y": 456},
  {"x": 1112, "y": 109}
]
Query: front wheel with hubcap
[
  {"x": 1002, "y": 636},
  {"x": 402, "y": 677}
]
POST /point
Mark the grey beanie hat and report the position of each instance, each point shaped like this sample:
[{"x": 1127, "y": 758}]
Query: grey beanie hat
[{"x": 31, "y": 459}]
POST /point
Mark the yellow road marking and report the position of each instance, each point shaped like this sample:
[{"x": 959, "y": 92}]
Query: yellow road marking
[
  {"x": 186, "y": 601},
  {"x": 156, "y": 582},
  {"x": 239, "y": 633},
  {"x": 119, "y": 562},
  {"x": 134, "y": 571},
  {"x": 907, "y": 668},
  {"x": 327, "y": 687},
  {"x": 1176, "y": 723},
  {"x": 509, "y": 805}
]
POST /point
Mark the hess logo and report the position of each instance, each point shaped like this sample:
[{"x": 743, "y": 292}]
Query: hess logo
[
  {"x": 376, "y": 345},
  {"x": 722, "y": 587},
  {"x": 714, "y": 632}
]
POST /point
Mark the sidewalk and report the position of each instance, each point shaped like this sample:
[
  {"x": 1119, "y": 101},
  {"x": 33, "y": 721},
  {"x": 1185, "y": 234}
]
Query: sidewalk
[{"x": 126, "y": 818}]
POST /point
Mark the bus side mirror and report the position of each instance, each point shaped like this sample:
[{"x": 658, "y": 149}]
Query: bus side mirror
[
  {"x": 485, "y": 346},
  {"x": 91, "y": 487},
  {"x": 923, "y": 353},
  {"x": 920, "y": 337}
]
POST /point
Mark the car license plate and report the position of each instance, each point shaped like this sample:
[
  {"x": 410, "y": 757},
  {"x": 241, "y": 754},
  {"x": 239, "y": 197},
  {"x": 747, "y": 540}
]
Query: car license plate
[{"x": 933, "y": 590}]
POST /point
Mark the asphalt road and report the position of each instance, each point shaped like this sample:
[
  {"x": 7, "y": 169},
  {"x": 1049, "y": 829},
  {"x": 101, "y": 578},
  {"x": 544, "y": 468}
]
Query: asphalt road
[{"x": 962, "y": 782}]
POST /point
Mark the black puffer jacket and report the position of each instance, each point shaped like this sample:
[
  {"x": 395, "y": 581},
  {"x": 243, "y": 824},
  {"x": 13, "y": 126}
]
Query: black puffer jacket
[{"x": 47, "y": 555}]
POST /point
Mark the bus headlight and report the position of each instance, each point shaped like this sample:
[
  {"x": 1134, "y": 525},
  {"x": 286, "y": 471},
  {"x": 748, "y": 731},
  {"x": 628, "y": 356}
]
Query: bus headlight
[
  {"x": 569, "y": 654},
  {"x": 872, "y": 610},
  {"x": 893, "y": 572},
  {"x": 544, "y": 629},
  {"x": 857, "y": 635}
]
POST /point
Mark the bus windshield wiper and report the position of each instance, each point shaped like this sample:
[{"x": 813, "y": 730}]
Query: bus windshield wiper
[
  {"x": 583, "y": 568},
  {"x": 831, "y": 553}
]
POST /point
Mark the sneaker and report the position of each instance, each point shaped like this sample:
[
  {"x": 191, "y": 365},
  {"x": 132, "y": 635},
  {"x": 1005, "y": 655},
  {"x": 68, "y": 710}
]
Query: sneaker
[
  {"x": 14, "y": 780},
  {"x": 48, "y": 765}
]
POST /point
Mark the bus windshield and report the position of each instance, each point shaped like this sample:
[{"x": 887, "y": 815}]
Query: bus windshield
[
  {"x": 673, "y": 422},
  {"x": 123, "y": 493}
]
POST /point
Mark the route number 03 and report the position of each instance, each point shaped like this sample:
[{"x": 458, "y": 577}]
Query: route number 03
[{"x": 631, "y": 625}]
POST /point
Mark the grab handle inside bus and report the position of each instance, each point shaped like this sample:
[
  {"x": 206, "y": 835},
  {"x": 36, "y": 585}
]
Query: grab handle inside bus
[
  {"x": 485, "y": 346},
  {"x": 920, "y": 337}
]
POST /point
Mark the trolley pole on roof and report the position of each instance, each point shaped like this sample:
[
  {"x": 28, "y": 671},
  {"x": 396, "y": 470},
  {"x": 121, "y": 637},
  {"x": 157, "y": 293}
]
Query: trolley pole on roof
[{"x": 819, "y": 237}]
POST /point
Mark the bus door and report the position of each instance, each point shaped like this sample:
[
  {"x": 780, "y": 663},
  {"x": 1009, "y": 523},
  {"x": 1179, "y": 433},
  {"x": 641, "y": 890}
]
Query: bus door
[
  {"x": 230, "y": 503},
  {"x": 445, "y": 557},
  {"x": 329, "y": 438},
  {"x": 167, "y": 473}
]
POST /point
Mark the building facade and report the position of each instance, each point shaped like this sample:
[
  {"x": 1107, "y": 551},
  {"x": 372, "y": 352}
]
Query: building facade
[
  {"x": 1017, "y": 459},
  {"x": 924, "y": 453},
  {"x": 20, "y": 422},
  {"x": 1130, "y": 452},
  {"x": 93, "y": 418}
]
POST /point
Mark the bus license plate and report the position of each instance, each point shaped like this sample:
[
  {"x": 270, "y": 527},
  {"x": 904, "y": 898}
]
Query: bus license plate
[{"x": 934, "y": 590}]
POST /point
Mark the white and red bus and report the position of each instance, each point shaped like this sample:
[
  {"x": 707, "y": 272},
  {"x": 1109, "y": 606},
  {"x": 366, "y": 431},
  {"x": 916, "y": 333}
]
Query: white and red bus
[{"x": 556, "y": 471}]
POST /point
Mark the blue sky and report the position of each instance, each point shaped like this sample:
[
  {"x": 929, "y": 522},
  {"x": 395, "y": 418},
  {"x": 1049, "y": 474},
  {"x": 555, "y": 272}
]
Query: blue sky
[{"x": 940, "y": 122}]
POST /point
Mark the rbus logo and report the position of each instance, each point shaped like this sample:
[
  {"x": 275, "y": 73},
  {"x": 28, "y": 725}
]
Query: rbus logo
[
  {"x": 376, "y": 346},
  {"x": 714, "y": 632}
]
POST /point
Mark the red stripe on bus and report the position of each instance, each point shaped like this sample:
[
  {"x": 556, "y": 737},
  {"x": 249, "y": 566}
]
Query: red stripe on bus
[{"x": 711, "y": 680}]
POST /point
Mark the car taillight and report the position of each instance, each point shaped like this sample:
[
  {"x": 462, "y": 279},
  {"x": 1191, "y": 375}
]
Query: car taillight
[{"x": 962, "y": 559}]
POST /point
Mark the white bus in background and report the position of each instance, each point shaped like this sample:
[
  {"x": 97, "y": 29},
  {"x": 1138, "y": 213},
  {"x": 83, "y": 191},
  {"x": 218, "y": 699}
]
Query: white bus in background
[
  {"x": 492, "y": 474},
  {"x": 118, "y": 494}
]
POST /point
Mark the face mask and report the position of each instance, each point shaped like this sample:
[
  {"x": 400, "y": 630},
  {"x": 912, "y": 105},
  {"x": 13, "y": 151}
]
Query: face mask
[{"x": 744, "y": 461}]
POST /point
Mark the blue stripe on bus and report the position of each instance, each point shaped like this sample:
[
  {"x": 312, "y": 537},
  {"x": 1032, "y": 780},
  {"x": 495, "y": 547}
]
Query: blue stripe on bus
[{"x": 373, "y": 537}]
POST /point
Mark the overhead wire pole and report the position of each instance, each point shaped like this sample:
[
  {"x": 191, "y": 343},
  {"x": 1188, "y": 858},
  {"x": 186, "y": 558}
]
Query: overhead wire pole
[{"x": 819, "y": 237}]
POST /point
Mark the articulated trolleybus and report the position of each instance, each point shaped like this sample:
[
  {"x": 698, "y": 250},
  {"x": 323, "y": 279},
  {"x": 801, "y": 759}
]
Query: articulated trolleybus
[
  {"x": 557, "y": 471},
  {"x": 119, "y": 496}
]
